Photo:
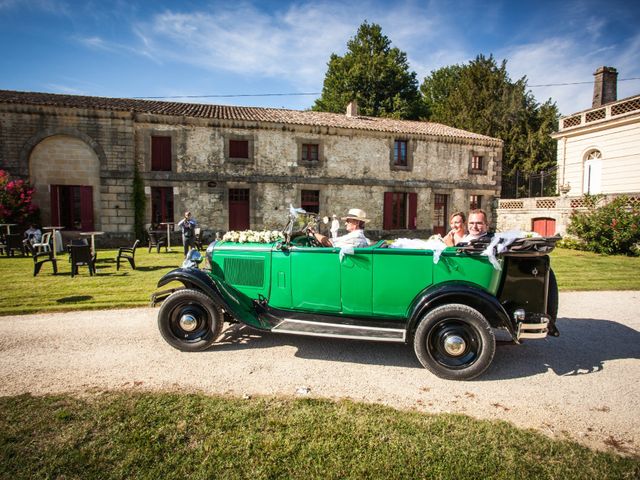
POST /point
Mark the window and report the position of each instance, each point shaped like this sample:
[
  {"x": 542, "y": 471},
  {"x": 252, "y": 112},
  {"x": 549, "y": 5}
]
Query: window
[
  {"x": 239, "y": 149},
  {"x": 161, "y": 154},
  {"x": 161, "y": 204},
  {"x": 310, "y": 200},
  {"x": 440, "y": 214},
  {"x": 310, "y": 152},
  {"x": 400, "y": 153},
  {"x": 475, "y": 201},
  {"x": 477, "y": 162},
  {"x": 400, "y": 210},
  {"x": 72, "y": 207}
]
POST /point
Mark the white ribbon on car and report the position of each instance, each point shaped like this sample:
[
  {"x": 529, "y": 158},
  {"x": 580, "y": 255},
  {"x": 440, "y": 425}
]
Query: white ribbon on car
[
  {"x": 434, "y": 244},
  {"x": 499, "y": 244}
]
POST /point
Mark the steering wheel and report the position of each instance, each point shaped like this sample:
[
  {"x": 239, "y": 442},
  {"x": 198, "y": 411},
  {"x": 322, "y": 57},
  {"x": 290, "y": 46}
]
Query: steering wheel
[{"x": 313, "y": 241}]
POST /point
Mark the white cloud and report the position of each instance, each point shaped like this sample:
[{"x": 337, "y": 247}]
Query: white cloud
[{"x": 567, "y": 60}]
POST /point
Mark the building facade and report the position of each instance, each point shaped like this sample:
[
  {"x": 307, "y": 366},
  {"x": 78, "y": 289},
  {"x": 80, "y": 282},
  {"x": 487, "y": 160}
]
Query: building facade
[
  {"x": 239, "y": 168},
  {"x": 598, "y": 153}
]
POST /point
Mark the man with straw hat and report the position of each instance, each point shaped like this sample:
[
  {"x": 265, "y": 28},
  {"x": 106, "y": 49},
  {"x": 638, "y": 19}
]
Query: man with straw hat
[{"x": 354, "y": 223}]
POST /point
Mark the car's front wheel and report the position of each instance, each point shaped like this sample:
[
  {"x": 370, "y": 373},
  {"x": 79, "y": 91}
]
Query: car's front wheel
[
  {"x": 189, "y": 321},
  {"x": 455, "y": 342}
]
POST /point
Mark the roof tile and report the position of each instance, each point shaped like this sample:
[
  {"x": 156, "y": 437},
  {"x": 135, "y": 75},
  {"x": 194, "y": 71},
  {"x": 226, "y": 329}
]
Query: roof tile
[{"x": 226, "y": 112}]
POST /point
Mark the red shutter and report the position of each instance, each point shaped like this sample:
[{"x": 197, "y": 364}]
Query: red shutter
[
  {"x": 238, "y": 148},
  {"x": 86, "y": 208},
  {"x": 413, "y": 211},
  {"x": 387, "y": 221},
  {"x": 161, "y": 154},
  {"x": 55, "y": 208}
]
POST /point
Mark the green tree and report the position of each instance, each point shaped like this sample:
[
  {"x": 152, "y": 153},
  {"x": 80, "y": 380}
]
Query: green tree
[
  {"x": 374, "y": 74},
  {"x": 481, "y": 97}
]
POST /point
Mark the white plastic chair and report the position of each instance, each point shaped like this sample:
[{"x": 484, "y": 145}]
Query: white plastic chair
[{"x": 43, "y": 245}]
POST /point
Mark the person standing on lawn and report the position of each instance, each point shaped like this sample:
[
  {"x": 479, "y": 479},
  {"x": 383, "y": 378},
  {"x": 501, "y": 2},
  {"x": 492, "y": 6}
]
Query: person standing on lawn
[{"x": 188, "y": 228}]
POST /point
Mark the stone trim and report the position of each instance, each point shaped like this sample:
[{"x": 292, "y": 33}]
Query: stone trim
[
  {"x": 250, "y": 138},
  {"x": 411, "y": 146},
  {"x": 313, "y": 141},
  {"x": 485, "y": 161},
  {"x": 147, "y": 133}
]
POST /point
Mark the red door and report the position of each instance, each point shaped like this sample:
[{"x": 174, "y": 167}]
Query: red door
[
  {"x": 72, "y": 207},
  {"x": 239, "y": 209},
  {"x": 544, "y": 226},
  {"x": 440, "y": 214}
]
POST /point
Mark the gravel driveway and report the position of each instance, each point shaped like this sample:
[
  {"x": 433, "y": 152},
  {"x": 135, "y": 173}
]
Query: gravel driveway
[{"x": 584, "y": 385}]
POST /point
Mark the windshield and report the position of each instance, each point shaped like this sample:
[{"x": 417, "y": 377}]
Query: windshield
[{"x": 299, "y": 221}]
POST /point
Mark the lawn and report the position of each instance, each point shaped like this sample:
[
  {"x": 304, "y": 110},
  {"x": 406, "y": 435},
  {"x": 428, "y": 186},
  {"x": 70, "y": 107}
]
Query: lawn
[
  {"x": 22, "y": 293},
  {"x": 165, "y": 435}
]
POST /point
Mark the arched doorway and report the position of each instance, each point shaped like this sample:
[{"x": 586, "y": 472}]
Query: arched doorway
[{"x": 65, "y": 172}]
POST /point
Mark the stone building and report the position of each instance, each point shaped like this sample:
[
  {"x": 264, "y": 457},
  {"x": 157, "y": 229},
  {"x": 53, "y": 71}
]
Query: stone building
[
  {"x": 598, "y": 153},
  {"x": 239, "y": 167}
]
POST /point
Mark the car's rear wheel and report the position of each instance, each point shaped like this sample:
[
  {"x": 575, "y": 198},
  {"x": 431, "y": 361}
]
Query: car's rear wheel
[
  {"x": 455, "y": 342},
  {"x": 189, "y": 321}
]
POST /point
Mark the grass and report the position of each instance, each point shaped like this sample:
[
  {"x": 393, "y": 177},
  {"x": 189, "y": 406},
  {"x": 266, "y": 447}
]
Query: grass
[
  {"x": 164, "y": 435},
  {"x": 578, "y": 270},
  {"x": 22, "y": 293}
]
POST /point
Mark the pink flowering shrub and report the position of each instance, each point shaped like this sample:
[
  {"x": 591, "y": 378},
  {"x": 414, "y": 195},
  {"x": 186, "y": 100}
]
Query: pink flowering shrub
[
  {"x": 16, "y": 201},
  {"x": 612, "y": 228}
]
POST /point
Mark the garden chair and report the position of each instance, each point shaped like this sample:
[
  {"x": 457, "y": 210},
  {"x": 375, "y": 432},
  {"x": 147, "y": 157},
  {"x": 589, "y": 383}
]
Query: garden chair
[
  {"x": 156, "y": 241},
  {"x": 128, "y": 253},
  {"x": 198, "y": 238},
  {"x": 81, "y": 255},
  {"x": 40, "y": 258},
  {"x": 44, "y": 244},
  {"x": 13, "y": 242}
]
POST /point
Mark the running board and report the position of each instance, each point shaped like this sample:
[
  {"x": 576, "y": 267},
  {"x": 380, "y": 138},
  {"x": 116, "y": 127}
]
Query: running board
[{"x": 339, "y": 330}]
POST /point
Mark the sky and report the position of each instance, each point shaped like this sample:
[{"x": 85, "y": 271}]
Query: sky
[{"x": 274, "y": 53}]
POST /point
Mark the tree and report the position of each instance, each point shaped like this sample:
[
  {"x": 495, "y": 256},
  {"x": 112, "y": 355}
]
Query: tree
[
  {"x": 375, "y": 75},
  {"x": 16, "y": 205},
  {"x": 481, "y": 97}
]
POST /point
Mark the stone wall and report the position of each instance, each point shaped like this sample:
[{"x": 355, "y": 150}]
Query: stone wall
[{"x": 51, "y": 145}]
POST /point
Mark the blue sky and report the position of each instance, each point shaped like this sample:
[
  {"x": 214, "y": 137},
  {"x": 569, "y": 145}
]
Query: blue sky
[{"x": 188, "y": 48}]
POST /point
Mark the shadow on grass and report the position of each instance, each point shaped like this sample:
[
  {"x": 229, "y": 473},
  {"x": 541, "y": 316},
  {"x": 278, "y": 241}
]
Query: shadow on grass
[
  {"x": 157, "y": 267},
  {"x": 74, "y": 299}
]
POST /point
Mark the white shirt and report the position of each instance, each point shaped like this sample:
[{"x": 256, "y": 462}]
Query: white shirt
[{"x": 355, "y": 239}]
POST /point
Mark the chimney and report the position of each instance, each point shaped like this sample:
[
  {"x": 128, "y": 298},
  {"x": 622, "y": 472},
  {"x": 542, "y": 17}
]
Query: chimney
[
  {"x": 605, "y": 86},
  {"x": 352, "y": 109}
]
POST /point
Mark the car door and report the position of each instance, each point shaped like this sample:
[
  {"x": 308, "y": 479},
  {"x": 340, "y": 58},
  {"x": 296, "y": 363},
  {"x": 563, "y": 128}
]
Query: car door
[{"x": 315, "y": 279}]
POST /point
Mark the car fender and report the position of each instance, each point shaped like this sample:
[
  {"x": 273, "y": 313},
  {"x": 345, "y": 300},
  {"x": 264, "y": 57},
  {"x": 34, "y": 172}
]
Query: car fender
[
  {"x": 463, "y": 293},
  {"x": 223, "y": 295}
]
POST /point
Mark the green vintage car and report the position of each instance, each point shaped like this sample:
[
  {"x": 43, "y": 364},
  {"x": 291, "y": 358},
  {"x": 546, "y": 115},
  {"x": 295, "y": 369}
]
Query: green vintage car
[{"x": 446, "y": 302}]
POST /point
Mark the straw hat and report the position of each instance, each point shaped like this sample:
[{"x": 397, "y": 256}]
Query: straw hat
[{"x": 356, "y": 214}]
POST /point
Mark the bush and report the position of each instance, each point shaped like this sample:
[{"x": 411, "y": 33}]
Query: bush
[
  {"x": 16, "y": 205},
  {"x": 609, "y": 228}
]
